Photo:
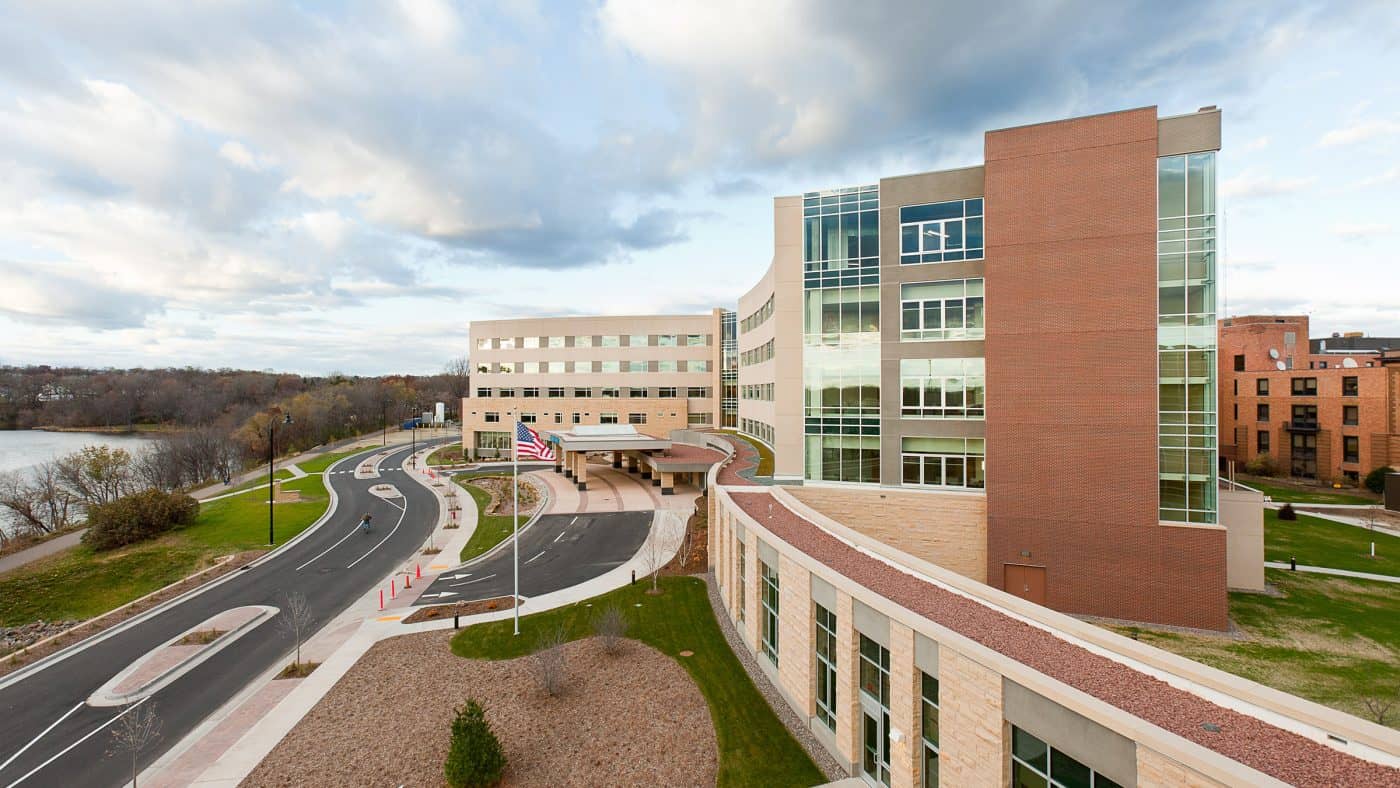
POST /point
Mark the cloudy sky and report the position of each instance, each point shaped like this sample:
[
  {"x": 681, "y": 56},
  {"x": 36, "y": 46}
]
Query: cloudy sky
[{"x": 322, "y": 187}]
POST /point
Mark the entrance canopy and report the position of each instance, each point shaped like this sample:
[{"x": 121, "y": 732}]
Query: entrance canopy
[{"x": 605, "y": 437}]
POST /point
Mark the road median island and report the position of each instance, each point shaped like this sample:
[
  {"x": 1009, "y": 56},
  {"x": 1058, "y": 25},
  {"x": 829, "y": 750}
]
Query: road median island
[{"x": 491, "y": 494}]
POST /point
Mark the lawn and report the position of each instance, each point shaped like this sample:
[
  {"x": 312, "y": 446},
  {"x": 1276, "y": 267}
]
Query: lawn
[
  {"x": 282, "y": 474},
  {"x": 321, "y": 463},
  {"x": 1332, "y": 640},
  {"x": 1317, "y": 542},
  {"x": 765, "y": 454},
  {"x": 1292, "y": 492},
  {"x": 80, "y": 583},
  {"x": 451, "y": 454},
  {"x": 754, "y": 747},
  {"x": 491, "y": 529}
]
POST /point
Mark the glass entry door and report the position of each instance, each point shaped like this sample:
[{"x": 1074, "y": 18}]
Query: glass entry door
[{"x": 875, "y": 743}]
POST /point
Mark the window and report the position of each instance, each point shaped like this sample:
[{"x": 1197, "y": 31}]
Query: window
[
  {"x": 943, "y": 388},
  {"x": 506, "y": 343},
  {"x": 555, "y": 342},
  {"x": 1239, "y": 363},
  {"x": 637, "y": 340},
  {"x": 637, "y": 366},
  {"x": 531, "y": 367},
  {"x": 928, "y": 725},
  {"x": 483, "y": 344},
  {"x": 1305, "y": 387},
  {"x": 607, "y": 418},
  {"x": 875, "y": 709},
  {"x": 558, "y": 418},
  {"x": 492, "y": 417},
  {"x": 943, "y": 462},
  {"x": 665, "y": 366},
  {"x": 636, "y": 418},
  {"x": 499, "y": 441},
  {"x": 610, "y": 392},
  {"x": 576, "y": 418},
  {"x": 527, "y": 418},
  {"x": 505, "y": 392},
  {"x": 1035, "y": 763},
  {"x": 609, "y": 366},
  {"x": 768, "y": 586},
  {"x": 701, "y": 417},
  {"x": 1262, "y": 442},
  {"x": 636, "y": 393},
  {"x": 1351, "y": 415},
  {"x": 699, "y": 392},
  {"x": 758, "y": 355},
  {"x": 826, "y": 667},
  {"x": 583, "y": 392},
  {"x": 757, "y": 318},
  {"x": 1351, "y": 448},
  {"x": 506, "y": 367},
  {"x": 666, "y": 340},
  {"x": 530, "y": 391},
  {"x": 940, "y": 232},
  {"x": 694, "y": 340},
  {"x": 951, "y": 309},
  {"x": 483, "y": 392},
  {"x": 583, "y": 341},
  {"x": 1261, "y": 387},
  {"x": 694, "y": 365},
  {"x": 1305, "y": 415},
  {"x": 666, "y": 392},
  {"x": 530, "y": 342},
  {"x": 743, "y": 581},
  {"x": 610, "y": 340},
  {"x": 1350, "y": 387},
  {"x": 553, "y": 367},
  {"x": 556, "y": 391},
  {"x": 1261, "y": 411}
]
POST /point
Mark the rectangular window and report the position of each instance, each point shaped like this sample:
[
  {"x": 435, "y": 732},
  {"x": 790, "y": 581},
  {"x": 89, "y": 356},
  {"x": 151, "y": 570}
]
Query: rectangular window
[
  {"x": 826, "y": 667},
  {"x": 530, "y": 391},
  {"x": 1351, "y": 448},
  {"x": 928, "y": 726},
  {"x": 610, "y": 392},
  {"x": 1350, "y": 387},
  {"x": 1033, "y": 762},
  {"x": 583, "y": 392},
  {"x": 699, "y": 392},
  {"x": 875, "y": 689},
  {"x": 943, "y": 388},
  {"x": 694, "y": 340},
  {"x": 483, "y": 392},
  {"x": 666, "y": 340},
  {"x": 609, "y": 366},
  {"x": 1351, "y": 415},
  {"x": 1261, "y": 387},
  {"x": 499, "y": 441},
  {"x": 943, "y": 462},
  {"x": 555, "y": 367},
  {"x": 950, "y": 309},
  {"x": 610, "y": 340},
  {"x": 507, "y": 343},
  {"x": 700, "y": 417},
  {"x": 701, "y": 365},
  {"x": 637, "y": 366},
  {"x": 583, "y": 341},
  {"x": 665, "y": 366},
  {"x": 558, "y": 418},
  {"x": 1262, "y": 441},
  {"x": 506, "y": 367},
  {"x": 483, "y": 344},
  {"x": 607, "y": 418},
  {"x": 527, "y": 418},
  {"x": 492, "y": 417},
  {"x": 556, "y": 391},
  {"x": 577, "y": 418},
  {"x": 1239, "y": 363},
  {"x": 940, "y": 232},
  {"x": 1305, "y": 415},
  {"x": 530, "y": 342},
  {"x": 743, "y": 581},
  {"x": 505, "y": 392},
  {"x": 637, "y": 340},
  {"x": 666, "y": 392},
  {"x": 1261, "y": 411},
  {"x": 636, "y": 393},
  {"x": 636, "y": 418},
  {"x": 1305, "y": 387},
  {"x": 768, "y": 585},
  {"x": 555, "y": 342}
]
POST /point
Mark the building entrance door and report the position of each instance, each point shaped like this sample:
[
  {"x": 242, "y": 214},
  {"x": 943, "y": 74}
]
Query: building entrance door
[
  {"x": 875, "y": 743},
  {"x": 1027, "y": 582}
]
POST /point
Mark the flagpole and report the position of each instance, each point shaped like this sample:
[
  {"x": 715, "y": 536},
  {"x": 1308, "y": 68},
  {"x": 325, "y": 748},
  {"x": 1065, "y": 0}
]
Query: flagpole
[{"x": 515, "y": 517}]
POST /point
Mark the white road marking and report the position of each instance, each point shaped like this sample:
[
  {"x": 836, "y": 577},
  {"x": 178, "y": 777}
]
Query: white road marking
[
  {"x": 458, "y": 577},
  {"x": 440, "y": 595},
  {"x": 571, "y": 522},
  {"x": 41, "y": 735},
  {"x": 328, "y": 549},
  {"x": 65, "y": 750},
  {"x": 402, "y": 512},
  {"x": 469, "y": 582},
  {"x": 537, "y": 555}
]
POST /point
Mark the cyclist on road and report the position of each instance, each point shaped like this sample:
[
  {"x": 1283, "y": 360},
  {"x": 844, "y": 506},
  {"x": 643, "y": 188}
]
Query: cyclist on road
[{"x": 364, "y": 522}]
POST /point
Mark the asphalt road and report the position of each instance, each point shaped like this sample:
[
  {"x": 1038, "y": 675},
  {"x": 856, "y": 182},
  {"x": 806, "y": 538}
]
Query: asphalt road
[
  {"x": 558, "y": 551},
  {"x": 42, "y": 713}
]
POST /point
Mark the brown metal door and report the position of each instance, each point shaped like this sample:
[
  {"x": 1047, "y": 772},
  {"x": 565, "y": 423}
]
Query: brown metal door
[{"x": 1027, "y": 582}]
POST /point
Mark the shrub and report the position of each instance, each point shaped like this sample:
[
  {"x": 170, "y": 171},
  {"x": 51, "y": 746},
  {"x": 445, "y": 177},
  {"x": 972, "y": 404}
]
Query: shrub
[
  {"x": 1262, "y": 465},
  {"x": 611, "y": 628},
  {"x": 475, "y": 758},
  {"x": 551, "y": 668},
  {"x": 137, "y": 517},
  {"x": 1286, "y": 512},
  {"x": 1375, "y": 480}
]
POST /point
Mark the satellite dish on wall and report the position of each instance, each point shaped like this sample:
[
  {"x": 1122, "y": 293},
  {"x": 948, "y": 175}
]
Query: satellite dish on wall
[
  {"x": 1349, "y": 363},
  {"x": 1273, "y": 352},
  {"x": 1281, "y": 366}
]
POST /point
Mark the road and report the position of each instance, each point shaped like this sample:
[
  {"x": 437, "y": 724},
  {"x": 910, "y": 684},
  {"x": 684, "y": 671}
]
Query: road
[
  {"x": 49, "y": 737},
  {"x": 558, "y": 551}
]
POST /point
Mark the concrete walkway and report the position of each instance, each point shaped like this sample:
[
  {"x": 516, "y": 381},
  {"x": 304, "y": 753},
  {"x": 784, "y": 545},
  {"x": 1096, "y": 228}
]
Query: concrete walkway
[
  {"x": 55, "y": 545},
  {"x": 1382, "y": 525},
  {"x": 1323, "y": 570}
]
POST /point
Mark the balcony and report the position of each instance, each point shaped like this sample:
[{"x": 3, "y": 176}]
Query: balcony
[{"x": 1302, "y": 425}]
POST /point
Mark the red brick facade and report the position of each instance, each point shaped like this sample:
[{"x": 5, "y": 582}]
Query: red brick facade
[
  {"x": 1071, "y": 353},
  {"x": 1250, "y": 340}
]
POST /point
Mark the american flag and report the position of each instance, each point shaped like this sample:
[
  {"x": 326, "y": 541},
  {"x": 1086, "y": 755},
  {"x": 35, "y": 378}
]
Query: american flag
[{"x": 529, "y": 444}]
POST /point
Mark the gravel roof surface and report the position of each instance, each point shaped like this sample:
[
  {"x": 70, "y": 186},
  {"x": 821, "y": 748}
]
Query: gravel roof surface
[
  {"x": 1248, "y": 740},
  {"x": 681, "y": 454},
  {"x": 745, "y": 459},
  {"x": 633, "y": 719}
]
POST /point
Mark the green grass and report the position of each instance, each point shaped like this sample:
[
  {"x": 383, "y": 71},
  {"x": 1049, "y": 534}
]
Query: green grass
[
  {"x": 754, "y": 747},
  {"x": 765, "y": 454},
  {"x": 1332, "y": 640},
  {"x": 1282, "y": 491},
  {"x": 321, "y": 463},
  {"x": 441, "y": 456},
  {"x": 80, "y": 583},
  {"x": 282, "y": 474},
  {"x": 491, "y": 529},
  {"x": 1317, "y": 542}
]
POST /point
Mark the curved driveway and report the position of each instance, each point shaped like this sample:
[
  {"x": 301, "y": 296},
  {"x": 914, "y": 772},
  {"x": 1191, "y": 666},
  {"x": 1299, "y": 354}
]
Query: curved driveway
[{"x": 48, "y": 736}]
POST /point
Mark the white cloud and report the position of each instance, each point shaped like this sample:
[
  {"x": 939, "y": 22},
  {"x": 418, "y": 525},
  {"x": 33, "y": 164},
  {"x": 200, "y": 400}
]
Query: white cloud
[
  {"x": 1256, "y": 144},
  {"x": 238, "y": 154},
  {"x": 1388, "y": 176},
  {"x": 1250, "y": 185},
  {"x": 1358, "y": 231},
  {"x": 1359, "y": 131}
]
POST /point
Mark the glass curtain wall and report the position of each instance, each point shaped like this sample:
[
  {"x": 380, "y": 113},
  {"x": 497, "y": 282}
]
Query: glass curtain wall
[
  {"x": 1186, "y": 337},
  {"x": 841, "y": 332}
]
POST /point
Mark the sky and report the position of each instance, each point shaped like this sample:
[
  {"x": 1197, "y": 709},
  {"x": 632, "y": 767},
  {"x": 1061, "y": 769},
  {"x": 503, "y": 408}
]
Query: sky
[{"x": 342, "y": 187}]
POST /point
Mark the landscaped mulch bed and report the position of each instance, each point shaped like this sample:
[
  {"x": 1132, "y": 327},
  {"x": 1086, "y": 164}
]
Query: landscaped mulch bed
[
  {"x": 631, "y": 719},
  {"x": 502, "y": 494},
  {"x": 697, "y": 557},
  {"x": 434, "y": 612}
]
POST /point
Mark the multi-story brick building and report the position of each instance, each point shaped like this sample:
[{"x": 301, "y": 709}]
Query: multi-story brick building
[{"x": 1325, "y": 409}]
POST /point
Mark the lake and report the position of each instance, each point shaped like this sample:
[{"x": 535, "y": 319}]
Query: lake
[{"x": 27, "y": 448}]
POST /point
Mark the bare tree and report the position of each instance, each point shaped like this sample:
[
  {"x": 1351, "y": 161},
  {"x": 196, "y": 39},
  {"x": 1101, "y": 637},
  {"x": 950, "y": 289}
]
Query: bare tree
[
  {"x": 138, "y": 728},
  {"x": 96, "y": 474},
  {"x": 611, "y": 628},
  {"x": 296, "y": 620},
  {"x": 1379, "y": 708},
  {"x": 37, "y": 502},
  {"x": 661, "y": 544},
  {"x": 456, "y": 376},
  {"x": 1372, "y": 518},
  {"x": 551, "y": 668}
]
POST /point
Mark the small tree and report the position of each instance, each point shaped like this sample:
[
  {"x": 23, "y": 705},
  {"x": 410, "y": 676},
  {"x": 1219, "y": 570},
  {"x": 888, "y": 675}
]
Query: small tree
[
  {"x": 138, "y": 728},
  {"x": 661, "y": 544},
  {"x": 611, "y": 628},
  {"x": 296, "y": 620},
  {"x": 1262, "y": 465},
  {"x": 475, "y": 758},
  {"x": 1375, "y": 480},
  {"x": 1371, "y": 519},
  {"x": 1286, "y": 512},
  {"x": 551, "y": 668}
]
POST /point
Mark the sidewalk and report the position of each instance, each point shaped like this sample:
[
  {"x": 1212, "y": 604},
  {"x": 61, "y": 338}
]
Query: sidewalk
[
  {"x": 1323, "y": 570},
  {"x": 229, "y": 745},
  {"x": 1330, "y": 514},
  {"x": 55, "y": 545}
]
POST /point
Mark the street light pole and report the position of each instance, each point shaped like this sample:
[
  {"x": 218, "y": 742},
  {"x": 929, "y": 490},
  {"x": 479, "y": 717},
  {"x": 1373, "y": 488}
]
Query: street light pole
[{"x": 271, "y": 486}]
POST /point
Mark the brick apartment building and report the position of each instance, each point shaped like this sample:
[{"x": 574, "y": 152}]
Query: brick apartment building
[{"x": 1325, "y": 409}]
